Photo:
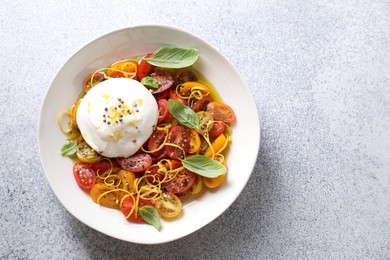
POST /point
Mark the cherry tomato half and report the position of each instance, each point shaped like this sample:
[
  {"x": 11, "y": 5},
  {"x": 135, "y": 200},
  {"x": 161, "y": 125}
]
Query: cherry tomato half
[
  {"x": 185, "y": 75},
  {"x": 201, "y": 104},
  {"x": 122, "y": 69},
  {"x": 84, "y": 175},
  {"x": 155, "y": 176},
  {"x": 87, "y": 154},
  {"x": 135, "y": 163},
  {"x": 110, "y": 199},
  {"x": 162, "y": 110},
  {"x": 88, "y": 83},
  {"x": 161, "y": 95},
  {"x": 174, "y": 96},
  {"x": 180, "y": 136},
  {"x": 101, "y": 166},
  {"x": 164, "y": 80},
  {"x": 168, "y": 205},
  {"x": 182, "y": 181},
  {"x": 144, "y": 68},
  {"x": 221, "y": 112},
  {"x": 217, "y": 129},
  {"x": 127, "y": 206},
  {"x": 155, "y": 140}
]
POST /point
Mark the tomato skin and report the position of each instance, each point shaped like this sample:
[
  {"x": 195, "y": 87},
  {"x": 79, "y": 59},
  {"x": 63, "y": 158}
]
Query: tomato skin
[
  {"x": 135, "y": 163},
  {"x": 217, "y": 129},
  {"x": 127, "y": 206},
  {"x": 182, "y": 181},
  {"x": 201, "y": 104},
  {"x": 144, "y": 68},
  {"x": 164, "y": 80},
  {"x": 180, "y": 136},
  {"x": 221, "y": 112},
  {"x": 84, "y": 175},
  {"x": 162, "y": 110}
]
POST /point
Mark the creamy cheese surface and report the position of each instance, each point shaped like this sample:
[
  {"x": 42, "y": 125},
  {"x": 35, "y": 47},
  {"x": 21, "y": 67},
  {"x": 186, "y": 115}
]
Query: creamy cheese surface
[{"x": 117, "y": 116}]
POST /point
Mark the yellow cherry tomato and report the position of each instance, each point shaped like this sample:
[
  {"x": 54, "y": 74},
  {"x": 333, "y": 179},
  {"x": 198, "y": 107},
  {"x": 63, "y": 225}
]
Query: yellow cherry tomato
[
  {"x": 213, "y": 183},
  {"x": 74, "y": 112},
  {"x": 194, "y": 141},
  {"x": 105, "y": 195},
  {"x": 169, "y": 205},
  {"x": 197, "y": 188},
  {"x": 126, "y": 69},
  {"x": 186, "y": 88},
  {"x": 86, "y": 153},
  {"x": 127, "y": 180},
  {"x": 218, "y": 145}
]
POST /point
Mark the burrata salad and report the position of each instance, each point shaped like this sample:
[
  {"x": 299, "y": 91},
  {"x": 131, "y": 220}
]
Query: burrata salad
[{"x": 146, "y": 133}]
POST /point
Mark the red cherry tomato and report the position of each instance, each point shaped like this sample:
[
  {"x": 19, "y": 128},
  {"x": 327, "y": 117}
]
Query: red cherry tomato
[
  {"x": 144, "y": 68},
  {"x": 135, "y": 163},
  {"x": 161, "y": 95},
  {"x": 164, "y": 80},
  {"x": 174, "y": 96},
  {"x": 101, "y": 166},
  {"x": 201, "y": 104},
  {"x": 178, "y": 135},
  {"x": 128, "y": 205},
  {"x": 173, "y": 164},
  {"x": 158, "y": 156},
  {"x": 155, "y": 175},
  {"x": 183, "y": 180},
  {"x": 159, "y": 176},
  {"x": 162, "y": 110},
  {"x": 221, "y": 112},
  {"x": 155, "y": 140},
  {"x": 217, "y": 129},
  {"x": 84, "y": 175}
]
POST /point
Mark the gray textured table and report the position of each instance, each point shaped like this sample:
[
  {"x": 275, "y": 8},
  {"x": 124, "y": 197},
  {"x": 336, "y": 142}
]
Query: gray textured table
[{"x": 320, "y": 74}]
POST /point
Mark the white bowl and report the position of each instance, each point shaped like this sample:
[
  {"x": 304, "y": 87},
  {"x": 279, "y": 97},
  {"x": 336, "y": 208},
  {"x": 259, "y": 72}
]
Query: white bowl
[{"x": 135, "y": 41}]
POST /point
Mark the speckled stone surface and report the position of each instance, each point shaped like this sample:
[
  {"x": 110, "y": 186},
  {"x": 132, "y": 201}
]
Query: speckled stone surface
[{"x": 320, "y": 75}]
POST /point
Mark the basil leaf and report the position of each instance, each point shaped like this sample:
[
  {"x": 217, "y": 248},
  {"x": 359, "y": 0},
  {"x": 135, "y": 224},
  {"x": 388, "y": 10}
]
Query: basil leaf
[
  {"x": 151, "y": 216},
  {"x": 204, "y": 166},
  {"x": 173, "y": 57},
  {"x": 149, "y": 81},
  {"x": 69, "y": 149},
  {"x": 185, "y": 115}
]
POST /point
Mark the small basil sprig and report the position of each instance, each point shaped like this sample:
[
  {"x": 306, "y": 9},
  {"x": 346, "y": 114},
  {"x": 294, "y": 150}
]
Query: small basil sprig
[
  {"x": 149, "y": 81},
  {"x": 185, "y": 115},
  {"x": 151, "y": 216},
  {"x": 69, "y": 149},
  {"x": 204, "y": 166},
  {"x": 173, "y": 57}
]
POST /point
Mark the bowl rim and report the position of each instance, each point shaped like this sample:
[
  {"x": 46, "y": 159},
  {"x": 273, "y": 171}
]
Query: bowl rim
[{"x": 256, "y": 124}]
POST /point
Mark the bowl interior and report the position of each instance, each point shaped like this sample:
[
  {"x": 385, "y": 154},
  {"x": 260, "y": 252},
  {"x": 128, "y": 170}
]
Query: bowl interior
[{"x": 129, "y": 42}]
